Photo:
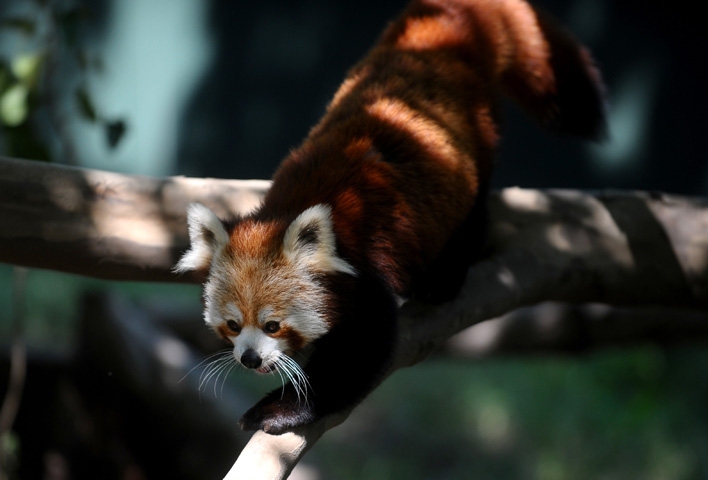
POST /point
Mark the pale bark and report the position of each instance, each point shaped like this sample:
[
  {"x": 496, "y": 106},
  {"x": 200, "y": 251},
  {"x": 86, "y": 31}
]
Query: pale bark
[
  {"x": 616, "y": 248},
  {"x": 552, "y": 328},
  {"x": 106, "y": 225}
]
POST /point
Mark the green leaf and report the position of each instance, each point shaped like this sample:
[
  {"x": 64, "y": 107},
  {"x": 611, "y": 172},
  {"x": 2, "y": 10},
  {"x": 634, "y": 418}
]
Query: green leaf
[
  {"x": 26, "y": 67},
  {"x": 10, "y": 443},
  {"x": 115, "y": 131},
  {"x": 85, "y": 104},
  {"x": 13, "y": 105},
  {"x": 25, "y": 26}
]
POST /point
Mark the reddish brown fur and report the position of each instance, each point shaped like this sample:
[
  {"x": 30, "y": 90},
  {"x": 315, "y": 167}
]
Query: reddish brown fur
[
  {"x": 292, "y": 337},
  {"x": 224, "y": 332},
  {"x": 411, "y": 134},
  {"x": 401, "y": 158}
]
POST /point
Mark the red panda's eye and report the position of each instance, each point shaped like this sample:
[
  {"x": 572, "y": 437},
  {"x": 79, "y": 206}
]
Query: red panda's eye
[
  {"x": 233, "y": 326},
  {"x": 272, "y": 327}
]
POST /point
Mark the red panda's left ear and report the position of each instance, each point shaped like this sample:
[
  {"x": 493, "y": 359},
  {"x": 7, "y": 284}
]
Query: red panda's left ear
[
  {"x": 207, "y": 235},
  {"x": 310, "y": 242}
]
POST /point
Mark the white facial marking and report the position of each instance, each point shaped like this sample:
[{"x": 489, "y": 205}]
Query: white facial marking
[
  {"x": 308, "y": 322},
  {"x": 318, "y": 251},
  {"x": 207, "y": 237},
  {"x": 266, "y": 347},
  {"x": 211, "y": 313},
  {"x": 233, "y": 313},
  {"x": 265, "y": 314}
]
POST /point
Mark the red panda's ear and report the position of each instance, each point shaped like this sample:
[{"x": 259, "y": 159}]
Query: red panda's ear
[
  {"x": 206, "y": 235},
  {"x": 310, "y": 242}
]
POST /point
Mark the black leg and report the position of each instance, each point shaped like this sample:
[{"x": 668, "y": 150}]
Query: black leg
[
  {"x": 443, "y": 279},
  {"x": 347, "y": 363}
]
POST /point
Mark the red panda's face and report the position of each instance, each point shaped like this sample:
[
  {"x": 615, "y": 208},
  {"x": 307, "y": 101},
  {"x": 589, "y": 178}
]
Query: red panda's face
[{"x": 264, "y": 293}]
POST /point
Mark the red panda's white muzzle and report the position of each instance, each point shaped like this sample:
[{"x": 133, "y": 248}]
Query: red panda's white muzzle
[{"x": 256, "y": 350}]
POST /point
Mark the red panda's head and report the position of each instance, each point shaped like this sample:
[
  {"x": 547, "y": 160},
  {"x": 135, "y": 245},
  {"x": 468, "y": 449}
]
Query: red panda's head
[{"x": 264, "y": 291}]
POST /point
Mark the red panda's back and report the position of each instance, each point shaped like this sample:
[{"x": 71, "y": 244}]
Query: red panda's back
[{"x": 408, "y": 141}]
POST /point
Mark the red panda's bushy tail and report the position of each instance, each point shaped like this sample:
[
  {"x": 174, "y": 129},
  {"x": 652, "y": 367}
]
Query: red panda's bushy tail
[
  {"x": 551, "y": 75},
  {"x": 535, "y": 61}
]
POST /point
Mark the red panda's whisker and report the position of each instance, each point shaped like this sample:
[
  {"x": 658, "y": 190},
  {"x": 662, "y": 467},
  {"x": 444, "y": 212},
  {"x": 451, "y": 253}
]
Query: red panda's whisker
[
  {"x": 221, "y": 353},
  {"x": 208, "y": 367},
  {"x": 215, "y": 368},
  {"x": 283, "y": 367},
  {"x": 228, "y": 363},
  {"x": 280, "y": 370},
  {"x": 206, "y": 372},
  {"x": 296, "y": 375},
  {"x": 302, "y": 381},
  {"x": 231, "y": 367}
]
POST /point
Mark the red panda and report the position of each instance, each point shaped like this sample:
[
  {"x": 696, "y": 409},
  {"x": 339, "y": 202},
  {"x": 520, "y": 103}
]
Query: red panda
[{"x": 383, "y": 200}]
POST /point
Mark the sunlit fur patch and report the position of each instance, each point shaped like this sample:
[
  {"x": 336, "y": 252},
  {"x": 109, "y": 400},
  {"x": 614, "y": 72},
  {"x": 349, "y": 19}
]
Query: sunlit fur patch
[
  {"x": 429, "y": 33},
  {"x": 423, "y": 129},
  {"x": 526, "y": 41},
  {"x": 348, "y": 86}
]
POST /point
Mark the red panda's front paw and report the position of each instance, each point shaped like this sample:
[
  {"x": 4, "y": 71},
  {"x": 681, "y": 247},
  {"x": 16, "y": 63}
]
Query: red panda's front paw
[{"x": 276, "y": 418}]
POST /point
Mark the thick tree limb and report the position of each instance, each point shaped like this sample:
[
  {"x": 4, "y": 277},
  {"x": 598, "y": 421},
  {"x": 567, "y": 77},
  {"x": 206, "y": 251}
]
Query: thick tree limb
[
  {"x": 618, "y": 248},
  {"x": 558, "y": 328},
  {"x": 102, "y": 224}
]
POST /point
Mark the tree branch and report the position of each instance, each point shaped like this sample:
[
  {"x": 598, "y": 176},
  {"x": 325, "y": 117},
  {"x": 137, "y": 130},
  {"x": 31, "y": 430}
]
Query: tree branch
[
  {"x": 106, "y": 225},
  {"x": 558, "y": 328},
  {"x": 617, "y": 248}
]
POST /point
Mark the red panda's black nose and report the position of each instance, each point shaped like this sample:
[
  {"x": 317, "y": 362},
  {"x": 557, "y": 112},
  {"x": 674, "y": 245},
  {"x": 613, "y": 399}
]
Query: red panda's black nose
[{"x": 251, "y": 359}]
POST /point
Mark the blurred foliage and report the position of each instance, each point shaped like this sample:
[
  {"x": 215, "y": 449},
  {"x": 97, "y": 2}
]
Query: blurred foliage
[
  {"x": 44, "y": 82},
  {"x": 628, "y": 414},
  {"x": 10, "y": 455}
]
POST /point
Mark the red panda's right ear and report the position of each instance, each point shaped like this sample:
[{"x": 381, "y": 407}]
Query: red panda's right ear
[
  {"x": 310, "y": 242},
  {"x": 207, "y": 235}
]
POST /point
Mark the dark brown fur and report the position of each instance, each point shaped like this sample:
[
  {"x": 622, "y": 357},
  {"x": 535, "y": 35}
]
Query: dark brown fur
[{"x": 410, "y": 137}]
